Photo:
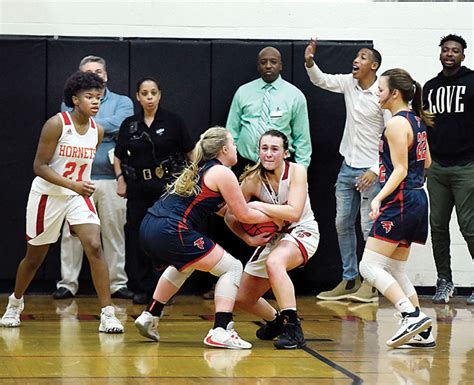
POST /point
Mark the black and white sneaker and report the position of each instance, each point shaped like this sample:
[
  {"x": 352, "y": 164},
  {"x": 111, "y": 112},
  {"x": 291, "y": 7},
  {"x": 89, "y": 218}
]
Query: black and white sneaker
[
  {"x": 444, "y": 291},
  {"x": 411, "y": 325},
  {"x": 424, "y": 339},
  {"x": 291, "y": 337},
  {"x": 271, "y": 329}
]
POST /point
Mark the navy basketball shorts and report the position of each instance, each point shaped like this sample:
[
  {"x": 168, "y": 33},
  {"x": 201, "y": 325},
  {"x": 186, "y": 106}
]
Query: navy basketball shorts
[
  {"x": 403, "y": 218},
  {"x": 167, "y": 241}
]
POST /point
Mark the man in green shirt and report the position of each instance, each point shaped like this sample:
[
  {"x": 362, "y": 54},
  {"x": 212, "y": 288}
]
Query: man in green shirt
[{"x": 269, "y": 103}]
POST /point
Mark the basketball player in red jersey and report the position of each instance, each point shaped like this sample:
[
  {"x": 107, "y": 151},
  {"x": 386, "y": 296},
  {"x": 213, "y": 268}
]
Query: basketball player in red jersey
[
  {"x": 61, "y": 191},
  {"x": 282, "y": 190}
]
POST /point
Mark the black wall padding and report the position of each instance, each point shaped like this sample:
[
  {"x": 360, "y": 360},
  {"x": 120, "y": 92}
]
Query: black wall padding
[
  {"x": 234, "y": 62},
  {"x": 182, "y": 67},
  {"x": 23, "y": 112},
  {"x": 198, "y": 80}
]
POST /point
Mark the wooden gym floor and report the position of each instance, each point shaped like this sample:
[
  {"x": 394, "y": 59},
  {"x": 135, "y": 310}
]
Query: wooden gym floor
[{"x": 58, "y": 343}]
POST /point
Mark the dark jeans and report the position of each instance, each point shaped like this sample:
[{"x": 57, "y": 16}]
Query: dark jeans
[{"x": 450, "y": 187}]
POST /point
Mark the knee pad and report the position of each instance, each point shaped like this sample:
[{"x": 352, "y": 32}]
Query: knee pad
[
  {"x": 229, "y": 270},
  {"x": 374, "y": 267},
  {"x": 398, "y": 269},
  {"x": 176, "y": 277}
]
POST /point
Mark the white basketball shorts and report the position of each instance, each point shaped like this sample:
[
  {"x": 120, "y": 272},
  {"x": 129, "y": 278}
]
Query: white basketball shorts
[
  {"x": 305, "y": 236},
  {"x": 45, "y": 215}
]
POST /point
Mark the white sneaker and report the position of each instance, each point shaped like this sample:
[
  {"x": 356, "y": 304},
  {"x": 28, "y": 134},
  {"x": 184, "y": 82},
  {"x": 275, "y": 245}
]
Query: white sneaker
[
  {"x": 108, "y": 322},
  {"x": 11, "y": 318},
  {"x": 226, "y": 338},
  {"x": 147, "y": 326},
  {"x": 410, "y": 326},
  {"x": 224, "y": 361},
  {"x": 421, "y": 340}
]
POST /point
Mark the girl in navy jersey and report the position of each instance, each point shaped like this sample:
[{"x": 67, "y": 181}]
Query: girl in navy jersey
[
  {"x": 169, "y": 233},
  {"x": 61, "y": 191},
  {"x": 400, "y": 209},
  {"x": 281, "y": 190}
]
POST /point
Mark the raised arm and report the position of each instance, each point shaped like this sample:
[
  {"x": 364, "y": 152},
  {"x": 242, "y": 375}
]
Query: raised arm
[
  {"x": 334, "y": 83},
  {"x": 309, "y": 52}
]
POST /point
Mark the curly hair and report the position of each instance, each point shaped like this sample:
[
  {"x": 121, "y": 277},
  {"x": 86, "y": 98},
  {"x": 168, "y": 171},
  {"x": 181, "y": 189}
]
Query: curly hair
[
  {"x": 80, "y": 81},
  {"x": 453, "y": 37}
]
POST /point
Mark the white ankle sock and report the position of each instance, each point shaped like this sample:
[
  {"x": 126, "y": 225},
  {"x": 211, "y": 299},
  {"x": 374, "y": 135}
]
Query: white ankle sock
[{"x": 405, "y": 306}]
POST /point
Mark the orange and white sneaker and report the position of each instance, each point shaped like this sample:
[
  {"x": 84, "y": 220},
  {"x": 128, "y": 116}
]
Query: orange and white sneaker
[{"x": 226, "y": 338}]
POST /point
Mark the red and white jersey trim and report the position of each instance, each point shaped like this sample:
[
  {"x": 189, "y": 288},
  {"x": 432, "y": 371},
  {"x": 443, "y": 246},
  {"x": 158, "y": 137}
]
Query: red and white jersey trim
[
  {"x": 72, "y": 157},
  {"x": 280, "y": 197}
]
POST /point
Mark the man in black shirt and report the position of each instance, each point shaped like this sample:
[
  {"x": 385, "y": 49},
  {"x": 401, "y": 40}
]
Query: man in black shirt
[{"x": 450, "y": 97}]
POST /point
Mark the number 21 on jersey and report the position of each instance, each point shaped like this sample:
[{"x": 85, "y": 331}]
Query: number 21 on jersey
[{"x": 70, "y": 171}]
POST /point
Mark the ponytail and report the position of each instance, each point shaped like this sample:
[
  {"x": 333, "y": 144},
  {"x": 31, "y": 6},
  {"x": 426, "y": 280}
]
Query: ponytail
[
  {"x": 410, "y": 90},
  {"x": 417, "y": 106},
  {"x": 208, "y": 147},
  {"x": 186, "y": 183},
  {"x": 250, "y": 170}
]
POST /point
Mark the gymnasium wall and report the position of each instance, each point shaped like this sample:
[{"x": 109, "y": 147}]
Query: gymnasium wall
[
  {"x": 201, "y": 93},
  {"x": 407, "y": 34}
]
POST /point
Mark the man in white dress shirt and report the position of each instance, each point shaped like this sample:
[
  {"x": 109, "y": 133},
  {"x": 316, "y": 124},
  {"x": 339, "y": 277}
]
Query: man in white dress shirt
[{"x": 357, "y": 181}]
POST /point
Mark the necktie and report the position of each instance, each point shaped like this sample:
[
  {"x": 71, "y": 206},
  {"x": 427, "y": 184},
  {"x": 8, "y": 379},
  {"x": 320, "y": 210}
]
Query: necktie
[{"x": 264, "y": 120}]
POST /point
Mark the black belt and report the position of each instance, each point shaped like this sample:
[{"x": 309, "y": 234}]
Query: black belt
[{"x": 150, "y": 173}]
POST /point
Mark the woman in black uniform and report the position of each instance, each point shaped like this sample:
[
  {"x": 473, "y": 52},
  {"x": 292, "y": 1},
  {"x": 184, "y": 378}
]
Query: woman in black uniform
[{"x": 152, "y": 145}]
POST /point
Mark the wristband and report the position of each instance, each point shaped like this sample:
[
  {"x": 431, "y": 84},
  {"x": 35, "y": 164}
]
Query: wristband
[{"x": 118, "y": 176}]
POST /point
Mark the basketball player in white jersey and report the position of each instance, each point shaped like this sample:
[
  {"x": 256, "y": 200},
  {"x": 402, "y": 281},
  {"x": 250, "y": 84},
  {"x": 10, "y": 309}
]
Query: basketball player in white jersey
[
  {"x": 61, "y": 191},
  {"x": 282, "y": 190}
]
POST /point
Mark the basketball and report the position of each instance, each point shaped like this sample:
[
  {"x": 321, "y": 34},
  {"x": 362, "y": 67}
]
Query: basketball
[{"x": 259, "y": 228}]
